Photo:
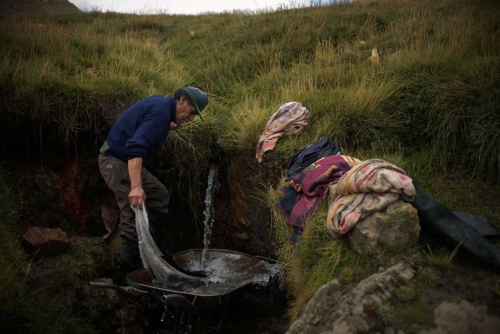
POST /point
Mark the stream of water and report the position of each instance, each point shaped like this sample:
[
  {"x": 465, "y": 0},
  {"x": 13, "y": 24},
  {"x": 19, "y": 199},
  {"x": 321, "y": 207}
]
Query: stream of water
[{"x": 209, "y": 212}]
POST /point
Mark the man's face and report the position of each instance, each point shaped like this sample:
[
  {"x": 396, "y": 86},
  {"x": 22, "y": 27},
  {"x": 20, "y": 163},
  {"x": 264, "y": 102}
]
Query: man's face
[{"x": 185, "y": 112}]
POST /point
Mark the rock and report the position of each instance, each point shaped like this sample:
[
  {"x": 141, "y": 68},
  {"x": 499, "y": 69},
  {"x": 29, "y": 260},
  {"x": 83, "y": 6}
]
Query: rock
[
  {"x": 354, "y": 311},
  {"x": 111, "y": 218},
  {"x": 395, "y": 229},
  {"x": 241, "y": 236},
  {"x": 45, "y": 241},
  {"x": 63, "y": 278},
  {"x": 463, "y": 318}
]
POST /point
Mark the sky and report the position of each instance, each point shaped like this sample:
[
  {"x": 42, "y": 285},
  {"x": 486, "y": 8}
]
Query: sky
[{"x": 192, "y": 7}]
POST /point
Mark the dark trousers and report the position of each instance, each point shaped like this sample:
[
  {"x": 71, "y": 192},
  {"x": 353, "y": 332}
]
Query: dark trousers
[{"x": 115, "y": 174}]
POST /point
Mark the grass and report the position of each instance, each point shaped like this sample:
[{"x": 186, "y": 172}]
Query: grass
[
  {"x": 440, "y": 258},
  {"x": 20, "y": 310},
  {"x": 316, "y": 259},
  {"x": 76, "y": 73},
  {"x": 431, "y": 107}
]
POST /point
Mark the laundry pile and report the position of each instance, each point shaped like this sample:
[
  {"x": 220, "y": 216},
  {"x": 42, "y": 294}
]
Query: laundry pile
[
  {"x": 360, "y": 188},
  {"x": 367, "y": 187}
]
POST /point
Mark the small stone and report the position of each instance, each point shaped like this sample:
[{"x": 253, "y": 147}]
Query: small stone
[
  {"x": 242, "y": 236},
  {"x": 44, "y": 241}
]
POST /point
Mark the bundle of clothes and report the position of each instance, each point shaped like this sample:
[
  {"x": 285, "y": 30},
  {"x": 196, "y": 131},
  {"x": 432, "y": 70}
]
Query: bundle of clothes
[
  {"x": 360, "y": 188},
  {"x": 369, "y": 186},
  {"x": 357, "y": 189}
]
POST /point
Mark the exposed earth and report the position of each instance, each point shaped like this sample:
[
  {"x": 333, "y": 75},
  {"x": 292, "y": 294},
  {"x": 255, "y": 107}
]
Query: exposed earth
[{"x": 51, "y": 7}]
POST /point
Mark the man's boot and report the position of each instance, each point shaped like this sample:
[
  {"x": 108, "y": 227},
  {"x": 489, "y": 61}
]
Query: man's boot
[{"x": 130, "y": 259}]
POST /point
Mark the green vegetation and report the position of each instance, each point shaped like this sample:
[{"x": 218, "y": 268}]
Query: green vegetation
[
  {"x": 431, "y": 107},
  {"x": 435, "y": 91},
  {"x": 21, "y": 311},
  {"x": 317, "y": 260}
]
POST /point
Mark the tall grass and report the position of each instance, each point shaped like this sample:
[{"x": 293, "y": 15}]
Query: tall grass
[
  {"x": 57, "y": 69},
  {"x": 431, "y": 106},
  {"x": 436, "y": 84}
]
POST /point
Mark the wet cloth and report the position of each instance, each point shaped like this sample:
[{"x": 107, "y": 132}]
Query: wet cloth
[
  {"x": 306, "y": 190},
  {"x": 367, "y": 187},
  {"x": 158, "y": 264},
  {"x": 290, "y": 118}
]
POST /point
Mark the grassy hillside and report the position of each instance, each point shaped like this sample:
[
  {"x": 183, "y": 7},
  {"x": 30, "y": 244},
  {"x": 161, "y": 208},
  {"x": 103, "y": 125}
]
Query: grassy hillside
[
  {"x": 431, "y": 106},
  {"x": 435, "y": 90}
]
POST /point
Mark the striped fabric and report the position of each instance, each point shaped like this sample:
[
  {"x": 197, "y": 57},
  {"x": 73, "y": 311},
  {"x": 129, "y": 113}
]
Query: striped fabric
[
  {"x": 306, "y": 190},
  {"x": 290, "y": 118},
  {"x": 368, "y": 187}
]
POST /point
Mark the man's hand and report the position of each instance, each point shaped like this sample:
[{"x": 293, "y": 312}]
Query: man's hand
[
  {"x": 136, "y": 196},
  {"x": 173, "y": 125}
]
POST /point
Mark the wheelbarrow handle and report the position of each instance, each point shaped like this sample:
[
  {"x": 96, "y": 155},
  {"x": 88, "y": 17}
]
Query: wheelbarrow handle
[{"x": 105, "y": 285}]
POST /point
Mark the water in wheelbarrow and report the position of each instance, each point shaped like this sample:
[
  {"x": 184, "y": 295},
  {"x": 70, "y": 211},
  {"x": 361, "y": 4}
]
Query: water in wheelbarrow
[{"x": 227, "y": 271}]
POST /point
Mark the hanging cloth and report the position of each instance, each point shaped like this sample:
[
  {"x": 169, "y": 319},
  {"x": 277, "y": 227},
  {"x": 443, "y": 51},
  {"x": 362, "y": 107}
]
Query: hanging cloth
[{"x": 290, "y": 118}]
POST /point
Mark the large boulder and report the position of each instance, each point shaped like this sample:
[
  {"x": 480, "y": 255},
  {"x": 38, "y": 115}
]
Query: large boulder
[
  {"x": 463, "y": 318},
  {"x": 392, "y": 230},
  {"x": 333, "y": 310}
]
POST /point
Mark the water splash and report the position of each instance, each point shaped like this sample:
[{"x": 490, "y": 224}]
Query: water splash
[
  {"x": 209, "y": 212},
  {"x": 227, "y": 271}
]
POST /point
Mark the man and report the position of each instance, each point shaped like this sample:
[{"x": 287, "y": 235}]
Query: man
[{"x": 133, "y": 141}]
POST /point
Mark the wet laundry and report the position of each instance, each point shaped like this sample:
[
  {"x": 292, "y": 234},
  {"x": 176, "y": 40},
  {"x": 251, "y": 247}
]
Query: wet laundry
[{"x": 158, "y": 263}]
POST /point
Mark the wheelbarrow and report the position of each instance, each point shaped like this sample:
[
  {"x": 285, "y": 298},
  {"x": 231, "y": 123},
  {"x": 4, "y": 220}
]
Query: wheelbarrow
[{"x": 229, "y": 272}]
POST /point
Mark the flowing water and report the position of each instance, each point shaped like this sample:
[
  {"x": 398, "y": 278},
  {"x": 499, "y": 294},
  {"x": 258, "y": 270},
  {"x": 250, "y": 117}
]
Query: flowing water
[{"x": 209, "y": 212}]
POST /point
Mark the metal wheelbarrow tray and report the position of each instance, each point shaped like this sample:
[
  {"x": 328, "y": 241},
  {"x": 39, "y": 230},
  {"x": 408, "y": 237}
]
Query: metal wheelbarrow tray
[{"x": 228, "y": 272}]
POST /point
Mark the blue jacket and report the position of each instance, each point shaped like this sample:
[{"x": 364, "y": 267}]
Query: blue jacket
[{"x": 142, "y": 130}]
